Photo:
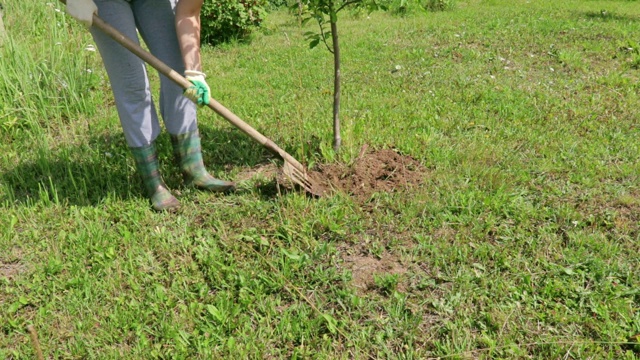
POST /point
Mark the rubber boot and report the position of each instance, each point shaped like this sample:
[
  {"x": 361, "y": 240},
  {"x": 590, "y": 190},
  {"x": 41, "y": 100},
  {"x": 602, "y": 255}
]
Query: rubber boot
[
  {"x": 147, "y": 165},
  {"x": 188, "y": 154}
]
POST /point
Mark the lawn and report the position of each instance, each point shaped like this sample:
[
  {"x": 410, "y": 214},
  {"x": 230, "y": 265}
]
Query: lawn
[{"x": 515, "y": 235}]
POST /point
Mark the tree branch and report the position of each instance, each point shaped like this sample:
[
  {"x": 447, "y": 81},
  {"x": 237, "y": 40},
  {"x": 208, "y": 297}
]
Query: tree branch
[
  {"x": 324, "y": 38},
  {"x": 347, "y": 4}
]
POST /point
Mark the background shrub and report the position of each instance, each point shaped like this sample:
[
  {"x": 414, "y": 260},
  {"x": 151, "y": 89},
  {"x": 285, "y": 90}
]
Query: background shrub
[
  {"x": 277, "y": 4},
  {"x": 223, "y": 20},
  {"x": 405, "y": 7},
  {"x": 439, "y": 5}
]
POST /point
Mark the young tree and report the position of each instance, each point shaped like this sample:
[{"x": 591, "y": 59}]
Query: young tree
[{"x": 326, "y": 12}]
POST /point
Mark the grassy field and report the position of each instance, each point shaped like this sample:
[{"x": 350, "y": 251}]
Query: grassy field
[{"x": 521, "y": 241}]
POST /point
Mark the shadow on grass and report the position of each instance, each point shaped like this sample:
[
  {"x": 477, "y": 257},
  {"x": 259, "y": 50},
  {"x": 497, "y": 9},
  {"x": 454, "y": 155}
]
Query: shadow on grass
[
  {"x": 227, "y": 147},
  {"x": 605, "y": 15},
  {"x": 102, "y": 168}
]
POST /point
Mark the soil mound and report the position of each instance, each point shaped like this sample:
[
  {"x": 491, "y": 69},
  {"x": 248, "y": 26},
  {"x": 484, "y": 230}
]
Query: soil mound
[{"x": 373, "y": 171}]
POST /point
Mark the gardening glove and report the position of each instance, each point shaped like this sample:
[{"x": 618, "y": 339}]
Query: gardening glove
[
  {"x": 199, "y": 92},
  {"x": 82, "y": 10}
]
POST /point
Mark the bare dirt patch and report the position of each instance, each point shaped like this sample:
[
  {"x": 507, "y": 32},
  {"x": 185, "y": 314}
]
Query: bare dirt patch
[
  {"x": 10, "y": 265},
  {"x": 364, "y": 269},
  {"x": 11, "y": 271},
  {"x": 621, "y": 214},
  {"x": 373, "y": 171}
]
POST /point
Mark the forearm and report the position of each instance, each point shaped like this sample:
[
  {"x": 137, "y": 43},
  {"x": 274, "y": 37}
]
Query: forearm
[{"x": 188, "y": 29}]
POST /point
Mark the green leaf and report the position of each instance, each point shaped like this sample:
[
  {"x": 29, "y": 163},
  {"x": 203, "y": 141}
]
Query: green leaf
[
  {"x": 13, "y": 308},
  {"x": 314, "y": 43},
  {"x": 231, "y": 343},
  {"x": 331, "y": 323},
  {"x": 183, "y": 338},
  {"x": 215, "y": 312},
  {"x": 12, "y": 223},
  {"x": 291, "y": 256},
  {"x": 479, "y": 266}
]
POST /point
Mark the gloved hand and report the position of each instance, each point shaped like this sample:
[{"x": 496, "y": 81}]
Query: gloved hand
[
  {"x": 82, "y": 10},
  {"x": 199, "y": 92}
]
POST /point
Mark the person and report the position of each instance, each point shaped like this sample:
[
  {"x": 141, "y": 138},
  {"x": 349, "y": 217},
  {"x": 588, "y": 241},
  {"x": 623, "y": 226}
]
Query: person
[{"x": 154, "y": 20}]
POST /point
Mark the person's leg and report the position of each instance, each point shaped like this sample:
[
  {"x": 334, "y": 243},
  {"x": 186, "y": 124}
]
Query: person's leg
[
  {"x": 188, "y": 153},
  {"x": 127, "y": 74},
  {"x": 146, "y": 159},
  {"x": 156, "y": 23},
  {"x": 130, "y": 86}
]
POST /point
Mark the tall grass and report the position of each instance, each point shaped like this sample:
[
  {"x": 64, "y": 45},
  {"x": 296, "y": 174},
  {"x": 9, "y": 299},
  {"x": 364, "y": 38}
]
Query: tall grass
[
  {"x": 46, "y": 73},
  {"x": 52, "y": 87}
]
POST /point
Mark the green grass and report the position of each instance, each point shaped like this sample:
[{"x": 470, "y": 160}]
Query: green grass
[{"x": 521, "y": 242}]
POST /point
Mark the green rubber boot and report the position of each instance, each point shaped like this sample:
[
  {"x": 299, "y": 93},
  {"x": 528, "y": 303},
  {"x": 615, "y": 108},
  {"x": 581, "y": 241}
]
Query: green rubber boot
[
  {"x": 188, "y": 153},
  {"x": 147, "y": 165}
]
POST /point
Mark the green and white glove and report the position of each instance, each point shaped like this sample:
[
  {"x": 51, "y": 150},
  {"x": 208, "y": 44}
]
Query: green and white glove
[
  {"x": 82, "y": 10},
  {"x": 199, "y": 92}
]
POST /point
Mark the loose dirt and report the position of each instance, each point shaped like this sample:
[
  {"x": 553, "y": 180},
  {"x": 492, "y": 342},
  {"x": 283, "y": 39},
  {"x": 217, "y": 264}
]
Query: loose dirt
[
  {"x": 11, "y": 271},
  {"x": 373, "y": 171},
  {"x": 364, "y": 269},
  {"x": 10, "y": 264}
]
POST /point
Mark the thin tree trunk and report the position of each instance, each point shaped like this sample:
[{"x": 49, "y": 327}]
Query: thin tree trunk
[{"x": 337, "y": 140}]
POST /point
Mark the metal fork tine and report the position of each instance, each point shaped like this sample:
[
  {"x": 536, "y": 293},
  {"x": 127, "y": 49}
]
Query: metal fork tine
[
  {"x": 304, "y": 178},
  {"x": 299, "y": 177},
  {"x": 306, "y": 185}
]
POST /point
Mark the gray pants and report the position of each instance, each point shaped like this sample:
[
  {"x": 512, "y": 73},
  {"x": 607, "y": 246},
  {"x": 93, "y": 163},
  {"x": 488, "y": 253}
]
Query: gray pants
[{"x": 154, "y": 20}]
